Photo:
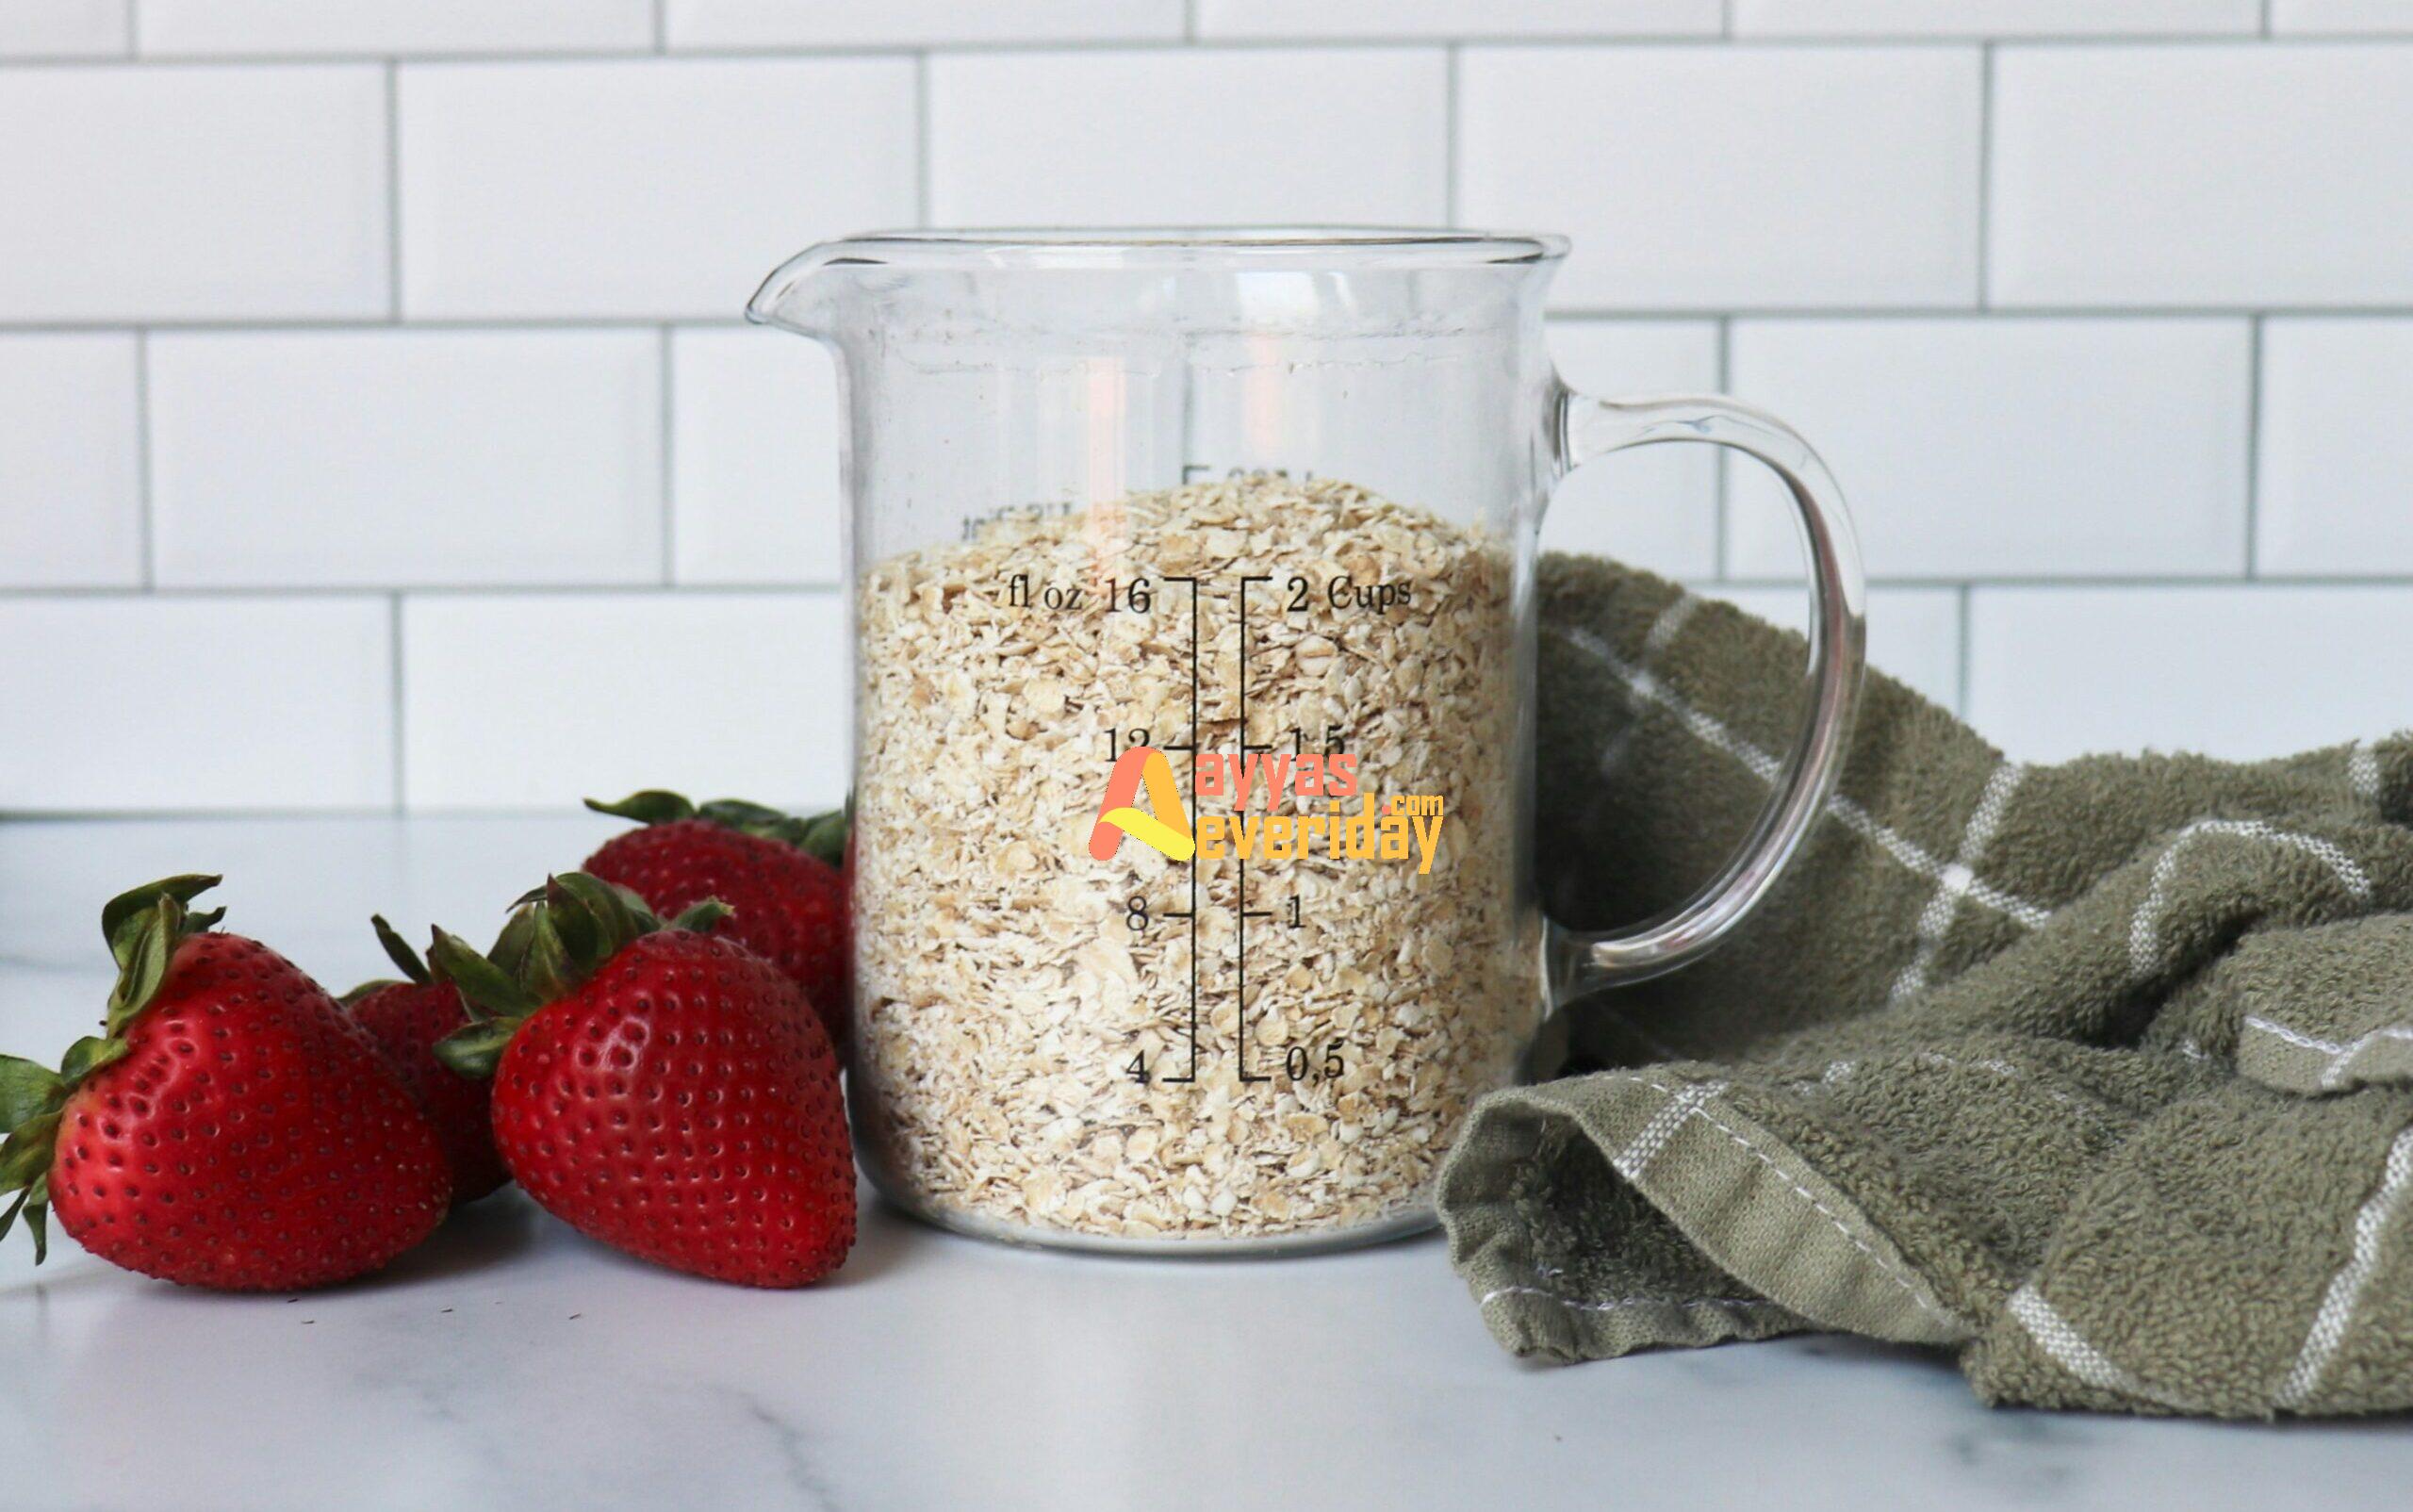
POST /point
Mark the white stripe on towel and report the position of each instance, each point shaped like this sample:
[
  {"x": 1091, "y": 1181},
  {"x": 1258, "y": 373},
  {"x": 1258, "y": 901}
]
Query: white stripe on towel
[
  {"x": 1851, "y": 816},
  {"x": 2337, "y": 1312},
  {"x": 1935, "y": 920},
  {"x": 2144, "y": 930},
  {"x": 2342, "y": 1056},
  {"x": 2072, "y": 1352}
]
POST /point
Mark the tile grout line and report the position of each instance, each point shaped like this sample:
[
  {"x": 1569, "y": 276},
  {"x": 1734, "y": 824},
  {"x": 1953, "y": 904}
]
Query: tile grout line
[
  {"x": 1626, "y": 315},
  {"x": 2085, "y": 582},
  {"x": 133, "y": 30},
  {"x": 2184, "y": 583},
  {"x": 1188, "y": 20},
  {"x": 310, "y": 813},
  {"x": 1985, "y": 173},
  {"x": 1451, "y": 157},
  {"x": 921, "y": 196},
  {"x": 247, "y": 812},
  {"x": 662, "y": 26},
  {"x": 394, "y": 676},
  {"x": 393, "y": 192},
  {"x": 635, "y": 587},
  {"x": 668, "y": 501},
  {"x": 1354, "y": 42},
  {"x": 146, "y": 528},
  {"x": 2254, "y": 449},
  {"x": 1720, "y": 514}
]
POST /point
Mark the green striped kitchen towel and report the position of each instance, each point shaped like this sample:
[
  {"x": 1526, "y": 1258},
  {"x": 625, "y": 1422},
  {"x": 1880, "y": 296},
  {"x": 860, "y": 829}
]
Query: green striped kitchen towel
[{"x": 2098, "y": 1074}]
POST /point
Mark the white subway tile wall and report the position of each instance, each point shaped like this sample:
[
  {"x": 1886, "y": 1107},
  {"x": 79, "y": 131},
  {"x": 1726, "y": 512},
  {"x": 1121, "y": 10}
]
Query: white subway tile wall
[
  {"x": 378, "y": 363},
  {"x": 71, "y": 450},
  {"x": 769, "y": 23},
  {"x": 366, "y": 458},
  {"x": 2238, "y": 670},
  {"x": 1711, "y": 177},
  {"x": 62, "y": 28},
  {"x": 2203, "y": 176},
  {"x": 749, "y": 406},
  {"x": 182, "y": 702},
  {"x": 1996, "y": 18},
  {"x": 1989, "y": 448},
  {"x": 1189, "y": 136},
  {"x": 2342, "y": 17},
  {"x": 640, "y": 189},
  {"x": 171, "y": 28},
  {"x": 237, "y": 194},
  {"x": 2336, "y": 458},
  {"x": 600, "y": 694},
  {"x": 1449, "y": 20}
]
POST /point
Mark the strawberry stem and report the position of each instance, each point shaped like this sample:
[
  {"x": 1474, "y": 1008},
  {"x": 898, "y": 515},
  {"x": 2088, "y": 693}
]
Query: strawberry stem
[
  {"x": 34, "y": 1202},
  {"x": 398, "y": 951},
  {"x": 489, "y": 992},
  {"x": 475, "y": 1051},
  {"x": 698, "y": 918},
  {"x": 823, "y": 835},
  {"x": 122, "y": 913},
  {"x": 559, "y": 935},
  {"x": 144, "y": 944},
  {"x": 651, "y": 806},
  {"x": 89, "y": 1054}
]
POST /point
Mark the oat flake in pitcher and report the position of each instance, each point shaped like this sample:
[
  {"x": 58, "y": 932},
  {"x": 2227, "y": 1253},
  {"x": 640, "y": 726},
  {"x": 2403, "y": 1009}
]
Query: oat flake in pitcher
[{"x": 1045, "y": 1035}]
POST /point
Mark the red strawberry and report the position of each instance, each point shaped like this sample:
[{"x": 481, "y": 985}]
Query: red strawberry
[
  {"x": 663, "y": 1091},
  {"x": 407, "y": 1018},
  {"x": 230, "y": 1128},
  {"x": 777, "y": 873}
]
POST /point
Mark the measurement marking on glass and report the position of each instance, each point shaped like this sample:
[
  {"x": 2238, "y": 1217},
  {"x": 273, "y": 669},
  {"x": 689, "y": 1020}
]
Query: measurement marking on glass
[
  {"x": 1192, "y": 1075},
  {"x": 1240, "y": 1000},
  {"x": 1022, "y": 593}
]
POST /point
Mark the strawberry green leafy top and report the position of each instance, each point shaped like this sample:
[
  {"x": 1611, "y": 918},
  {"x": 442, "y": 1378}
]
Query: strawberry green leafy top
[
  {"x": 143, "y": 927},
  {"x": 821, "y": 834},
  {"x": 561, "y": 935}
]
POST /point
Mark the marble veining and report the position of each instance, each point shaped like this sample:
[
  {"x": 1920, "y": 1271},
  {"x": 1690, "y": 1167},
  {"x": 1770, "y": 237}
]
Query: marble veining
[{"x": 510, "y": 1363}]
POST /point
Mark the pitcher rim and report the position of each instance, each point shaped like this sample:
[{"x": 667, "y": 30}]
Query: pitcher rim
[{"x": 1255, "y": 246}]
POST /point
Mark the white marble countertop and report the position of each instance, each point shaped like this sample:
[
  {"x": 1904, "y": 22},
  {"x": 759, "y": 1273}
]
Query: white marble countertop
[{"x": 510, "y": 1363}]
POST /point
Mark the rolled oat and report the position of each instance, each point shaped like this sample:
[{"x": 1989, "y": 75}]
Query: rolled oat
[{"x": 1025, "y": 1011}]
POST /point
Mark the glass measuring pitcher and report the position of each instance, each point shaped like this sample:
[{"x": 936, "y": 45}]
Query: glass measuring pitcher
[{"x": 1192, "y": 574}]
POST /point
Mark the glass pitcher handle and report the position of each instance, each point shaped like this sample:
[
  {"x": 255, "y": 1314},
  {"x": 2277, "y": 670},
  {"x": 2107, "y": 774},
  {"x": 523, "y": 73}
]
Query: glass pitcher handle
[{"x": 1582, "y": 961}]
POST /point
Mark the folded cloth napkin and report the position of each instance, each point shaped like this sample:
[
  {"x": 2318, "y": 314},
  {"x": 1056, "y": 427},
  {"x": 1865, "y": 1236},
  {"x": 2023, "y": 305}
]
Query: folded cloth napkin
[{"x": 2099, "y": 1074}]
